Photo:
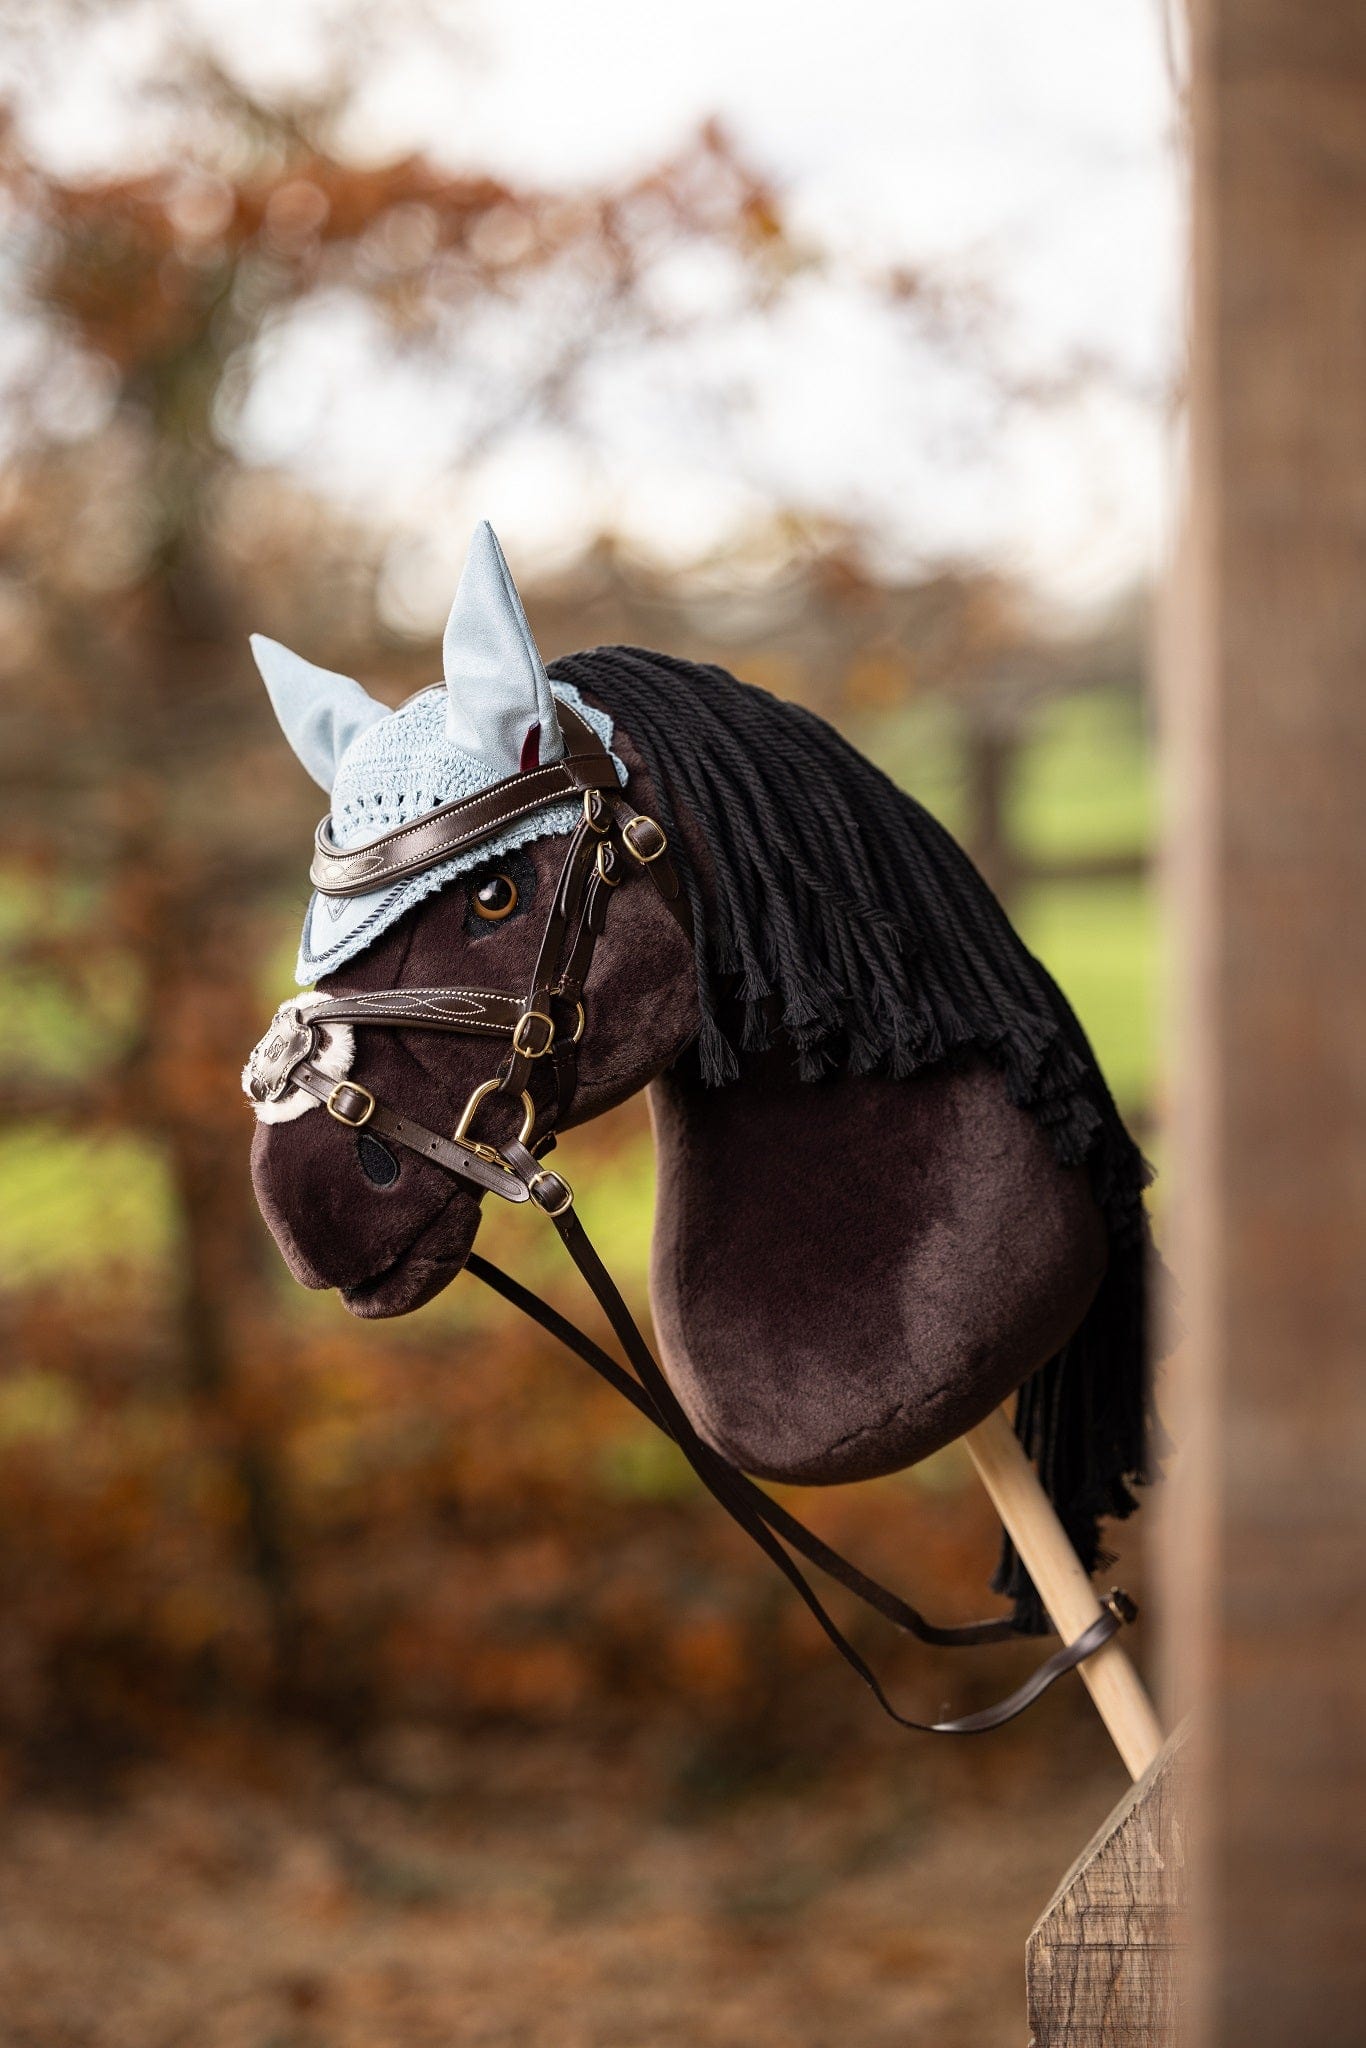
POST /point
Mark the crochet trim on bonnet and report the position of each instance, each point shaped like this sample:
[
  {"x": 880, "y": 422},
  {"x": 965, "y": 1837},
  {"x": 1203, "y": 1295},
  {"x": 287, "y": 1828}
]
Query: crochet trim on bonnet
[{"x": 384, "y": 768}]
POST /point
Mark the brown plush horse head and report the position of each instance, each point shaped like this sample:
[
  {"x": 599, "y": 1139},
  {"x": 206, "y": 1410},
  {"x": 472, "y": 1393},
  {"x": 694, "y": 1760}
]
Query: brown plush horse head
[{"x": 893, "y": 1187}]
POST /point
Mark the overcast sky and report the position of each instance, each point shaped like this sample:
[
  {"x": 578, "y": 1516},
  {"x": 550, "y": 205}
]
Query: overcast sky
[{"x": 1030, "y": 145}]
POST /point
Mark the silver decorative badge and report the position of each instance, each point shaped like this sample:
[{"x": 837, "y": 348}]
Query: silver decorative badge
[{"x": 289, "y": 1039}]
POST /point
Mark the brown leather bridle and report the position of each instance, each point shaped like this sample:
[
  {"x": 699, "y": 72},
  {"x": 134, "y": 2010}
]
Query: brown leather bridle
[
  {"x": 542, "y": 1029},
  {"x": 611, "y": 844}
]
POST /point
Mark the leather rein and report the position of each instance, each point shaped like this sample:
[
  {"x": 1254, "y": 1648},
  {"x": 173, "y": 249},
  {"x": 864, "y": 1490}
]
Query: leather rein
[{"x": 610, "y": 845}]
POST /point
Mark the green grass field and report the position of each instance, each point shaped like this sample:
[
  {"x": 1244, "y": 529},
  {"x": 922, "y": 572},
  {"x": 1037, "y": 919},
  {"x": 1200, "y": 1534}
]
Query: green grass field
[
  {"x": 89, "y": 1210},
  {"x": 1084, "y": 787}
]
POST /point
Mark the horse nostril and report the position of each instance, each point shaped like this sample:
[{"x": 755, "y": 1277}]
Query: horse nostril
[{"x": 377, "y": 1162}]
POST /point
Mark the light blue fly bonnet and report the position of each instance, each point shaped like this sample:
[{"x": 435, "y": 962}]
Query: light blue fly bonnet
[{"x": 494, "y": 715}]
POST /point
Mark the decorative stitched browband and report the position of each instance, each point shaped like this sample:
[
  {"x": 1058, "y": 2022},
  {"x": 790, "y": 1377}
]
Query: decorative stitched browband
[{"x": 451, "y": 828}]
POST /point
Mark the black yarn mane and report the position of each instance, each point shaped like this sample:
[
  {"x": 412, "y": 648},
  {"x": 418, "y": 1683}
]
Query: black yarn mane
[{"x": 846, "y": 920}]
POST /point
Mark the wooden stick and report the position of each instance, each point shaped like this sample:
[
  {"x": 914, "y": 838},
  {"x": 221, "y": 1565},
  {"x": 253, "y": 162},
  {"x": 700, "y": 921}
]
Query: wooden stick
[{"x": 1063, "y": 1586}]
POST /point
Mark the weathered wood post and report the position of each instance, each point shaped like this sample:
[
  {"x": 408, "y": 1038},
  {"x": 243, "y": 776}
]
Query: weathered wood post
[
  {"x": 1265, "y": 690},
  {"x": 1267, "y": 687},
  {"x": 1104, "y": 1963}
]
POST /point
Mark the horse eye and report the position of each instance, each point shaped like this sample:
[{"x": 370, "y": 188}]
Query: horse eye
[{"x": 496, "y": 898}]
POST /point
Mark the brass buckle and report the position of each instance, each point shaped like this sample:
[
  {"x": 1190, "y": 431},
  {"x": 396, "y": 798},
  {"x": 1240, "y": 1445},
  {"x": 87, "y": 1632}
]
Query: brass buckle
[
  {"x": 577, "y": 1033},
  {"x": 534, "y": 1052},
  {"x": 568, "y": 1201},
  {"x": 1121, "y": 1604},
  {"x": 353, "y": 1123},
  {"x": 595, "y": 811},
  {"x": 603, "y": 876},
  {"x": 644, "y": 858},
  {"x": 467, "y": 1117}
]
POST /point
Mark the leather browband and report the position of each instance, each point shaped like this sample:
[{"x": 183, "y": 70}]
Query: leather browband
[{"x": 440, "y": 834}]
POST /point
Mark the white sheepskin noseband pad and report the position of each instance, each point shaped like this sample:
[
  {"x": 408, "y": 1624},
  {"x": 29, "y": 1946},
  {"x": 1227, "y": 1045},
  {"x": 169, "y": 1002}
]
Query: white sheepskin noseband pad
[{"x": 333, "y": 1051}]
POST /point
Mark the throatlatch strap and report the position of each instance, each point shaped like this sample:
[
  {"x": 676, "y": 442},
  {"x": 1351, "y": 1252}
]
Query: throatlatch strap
[{"x": 762, "y": 1517}]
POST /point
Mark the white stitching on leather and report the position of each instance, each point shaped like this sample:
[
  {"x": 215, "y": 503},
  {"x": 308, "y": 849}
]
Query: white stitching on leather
[{"x": 353, "y": 856}]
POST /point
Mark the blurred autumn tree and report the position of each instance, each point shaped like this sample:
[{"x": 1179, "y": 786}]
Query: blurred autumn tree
[
  {"x": 210, "y": 1491},
  {"x": 140, "y": 549}
]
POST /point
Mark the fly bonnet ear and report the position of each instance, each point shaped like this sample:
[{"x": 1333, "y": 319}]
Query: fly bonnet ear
[
  {"x": 320, "y": 713},
  {"x": 499, "y": 704}
]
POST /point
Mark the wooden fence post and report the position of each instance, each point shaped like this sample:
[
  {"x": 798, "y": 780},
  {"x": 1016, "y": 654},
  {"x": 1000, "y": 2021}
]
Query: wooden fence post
[
  {"x": 1104, "y": 1965},
  {"x": 1266, "y": 685}
]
